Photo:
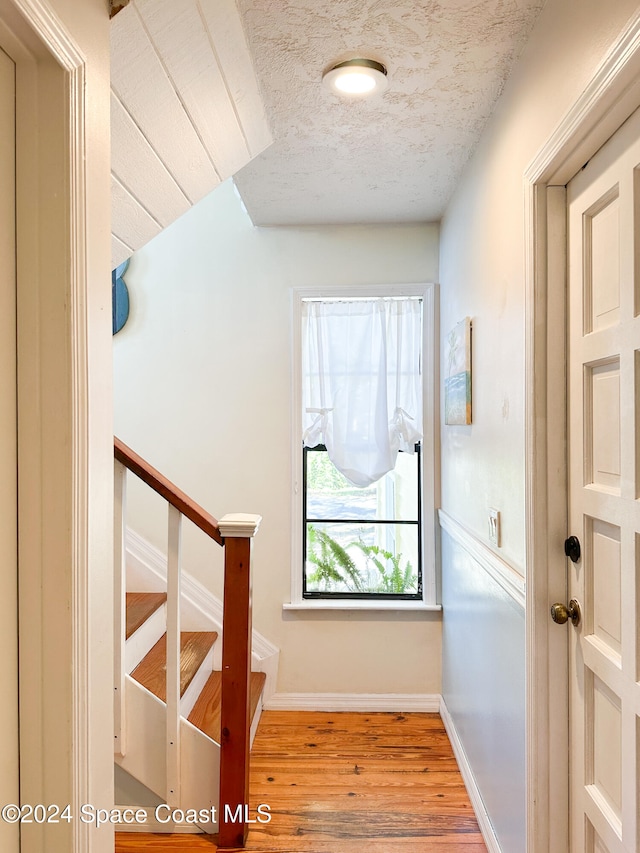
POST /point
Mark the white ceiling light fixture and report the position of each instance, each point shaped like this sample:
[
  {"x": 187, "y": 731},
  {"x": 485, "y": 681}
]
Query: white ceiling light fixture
[{"x": 356, "y": 77}]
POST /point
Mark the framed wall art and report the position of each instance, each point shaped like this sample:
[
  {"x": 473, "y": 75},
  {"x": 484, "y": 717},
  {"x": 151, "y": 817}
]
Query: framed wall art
[{"x": 457, "y": 383}]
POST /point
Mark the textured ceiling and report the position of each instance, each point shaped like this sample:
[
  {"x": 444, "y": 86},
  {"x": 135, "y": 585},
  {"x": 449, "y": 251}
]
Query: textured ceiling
[{"x": 395, "y": 158}]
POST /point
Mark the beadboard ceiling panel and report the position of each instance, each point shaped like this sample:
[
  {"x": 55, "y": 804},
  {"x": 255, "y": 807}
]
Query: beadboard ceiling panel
[
  {"x": 131, "y": 222},
  {"x": 223, "y": 19},
  {"x": 180, "y": 36},
  {"x": 141, "y": 83},
  {"x": 138, "y": 167},
  {"x": 186, "y": 111},
  {"x": 119, "y": 250}
]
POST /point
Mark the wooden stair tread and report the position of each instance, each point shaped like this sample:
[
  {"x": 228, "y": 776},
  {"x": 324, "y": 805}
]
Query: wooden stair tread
[
  {"x": 140, "y": 606},
  {"x": 206, "y": 712},
  {"x": 151, "y": 671}
]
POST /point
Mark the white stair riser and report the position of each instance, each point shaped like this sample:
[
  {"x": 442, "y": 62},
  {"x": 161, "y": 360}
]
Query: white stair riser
[
  {"x": 200, "y": 776},
  {"x": 255, "y": 721},
  {"x": 145, "y": 720},
  {"x": 146, "y": 759},
  {"x": 145, "y": 638}
]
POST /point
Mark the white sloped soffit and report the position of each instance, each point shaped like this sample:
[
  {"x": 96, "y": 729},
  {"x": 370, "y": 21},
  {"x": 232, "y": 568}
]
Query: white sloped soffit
[{"x": 186, "y": 112}]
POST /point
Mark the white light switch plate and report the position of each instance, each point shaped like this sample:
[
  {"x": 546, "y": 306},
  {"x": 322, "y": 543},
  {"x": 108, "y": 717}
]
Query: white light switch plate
[{"x": 494, "y": 527}]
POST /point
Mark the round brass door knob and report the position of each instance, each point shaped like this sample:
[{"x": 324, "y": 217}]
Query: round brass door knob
[{"x": 560, "y": 613}]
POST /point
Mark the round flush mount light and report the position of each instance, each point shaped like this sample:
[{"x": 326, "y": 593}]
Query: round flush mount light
[{"x": 356, "y": 77}]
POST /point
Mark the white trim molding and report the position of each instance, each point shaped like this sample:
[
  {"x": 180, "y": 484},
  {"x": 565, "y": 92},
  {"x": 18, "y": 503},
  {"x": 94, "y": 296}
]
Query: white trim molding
[
  {"x": 63, "y": 497},
  {"x": 482, "y": 816},
  {"x": 365, "y": 702},
  {"x": 360, "y": 604},
  {"x": 502, "y": 572},
  {"x": 612, "y": 94},
  {"x": 610, "y": 97}
]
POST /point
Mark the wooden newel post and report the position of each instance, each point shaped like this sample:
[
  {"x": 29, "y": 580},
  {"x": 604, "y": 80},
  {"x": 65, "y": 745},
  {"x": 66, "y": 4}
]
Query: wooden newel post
[{"x": 237, "y": 530}]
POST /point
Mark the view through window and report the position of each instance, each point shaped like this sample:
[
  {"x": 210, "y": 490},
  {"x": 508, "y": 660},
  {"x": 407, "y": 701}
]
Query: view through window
[{"x": 361, "y": 541}]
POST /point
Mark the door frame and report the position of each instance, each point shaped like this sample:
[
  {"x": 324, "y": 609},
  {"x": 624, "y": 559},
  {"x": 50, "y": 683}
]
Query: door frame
[
  {"x": 611, "y": 96},
  {"x": 64, "y": 559},
  {"x": 9, "y": 705}
]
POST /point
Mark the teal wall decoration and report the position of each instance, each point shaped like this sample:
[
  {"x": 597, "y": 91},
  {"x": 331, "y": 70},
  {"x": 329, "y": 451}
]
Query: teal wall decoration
[{"x": 119, "y": 298}]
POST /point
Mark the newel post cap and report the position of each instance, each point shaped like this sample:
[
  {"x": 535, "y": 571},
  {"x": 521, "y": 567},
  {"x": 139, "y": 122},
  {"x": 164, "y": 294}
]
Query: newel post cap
[{"x": 241, "y": 525}]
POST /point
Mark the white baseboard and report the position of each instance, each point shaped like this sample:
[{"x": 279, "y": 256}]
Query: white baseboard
[
  {"x": 367, "y": 702},
  {"x": 486, "y": 828}
]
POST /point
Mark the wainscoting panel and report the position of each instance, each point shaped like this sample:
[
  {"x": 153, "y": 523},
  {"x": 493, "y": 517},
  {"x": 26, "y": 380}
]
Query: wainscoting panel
[{"x": 483, "y": 675}]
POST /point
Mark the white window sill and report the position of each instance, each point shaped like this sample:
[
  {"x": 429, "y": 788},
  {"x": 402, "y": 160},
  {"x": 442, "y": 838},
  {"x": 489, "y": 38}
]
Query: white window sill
[{"x": 360, "y": 604}]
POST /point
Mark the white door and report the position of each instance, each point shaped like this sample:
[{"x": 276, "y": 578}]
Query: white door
[
  {"x": 604, "y": 495},
  {"x": 9, "y": 790}
]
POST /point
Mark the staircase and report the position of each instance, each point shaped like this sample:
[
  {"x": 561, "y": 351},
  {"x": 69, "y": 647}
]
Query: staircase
[{"x": 184, "y": 728}]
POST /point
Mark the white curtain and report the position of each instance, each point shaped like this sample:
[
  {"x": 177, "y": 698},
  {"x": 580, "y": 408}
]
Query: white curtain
[{"x": 362, "y": 382}]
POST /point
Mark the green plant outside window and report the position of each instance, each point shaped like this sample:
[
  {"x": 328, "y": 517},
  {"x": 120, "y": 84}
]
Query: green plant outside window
[{"x": 361, "y": 542}]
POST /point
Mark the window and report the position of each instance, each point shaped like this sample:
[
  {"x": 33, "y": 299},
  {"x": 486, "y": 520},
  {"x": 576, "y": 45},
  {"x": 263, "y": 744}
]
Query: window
[
  {"x": 363, "y": 508},
  {"x": 361, "y": 541}
]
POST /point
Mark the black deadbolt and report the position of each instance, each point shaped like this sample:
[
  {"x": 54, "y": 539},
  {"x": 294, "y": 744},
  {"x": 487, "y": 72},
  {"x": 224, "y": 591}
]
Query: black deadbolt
[{"x": 572, "y": 548}]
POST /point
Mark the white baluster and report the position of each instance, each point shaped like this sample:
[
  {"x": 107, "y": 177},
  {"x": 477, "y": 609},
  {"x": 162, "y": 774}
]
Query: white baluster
[
  {"x": 120, "y": 604},
  {"x": 173, "y": 657}
]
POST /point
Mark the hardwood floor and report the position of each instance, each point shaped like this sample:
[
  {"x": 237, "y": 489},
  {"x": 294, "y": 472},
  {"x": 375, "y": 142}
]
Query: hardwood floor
[{"x": 348, "y": 783}]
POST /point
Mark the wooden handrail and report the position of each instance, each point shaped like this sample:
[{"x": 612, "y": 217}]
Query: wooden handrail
[{"x": 170, "y": 492}]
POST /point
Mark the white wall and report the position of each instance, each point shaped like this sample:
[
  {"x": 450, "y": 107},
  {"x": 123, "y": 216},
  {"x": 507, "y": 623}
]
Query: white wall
[
  {"x": 482, "y": 262},
  {"x": 202, "y": 389},
  {"x": 482, "y": 265}
]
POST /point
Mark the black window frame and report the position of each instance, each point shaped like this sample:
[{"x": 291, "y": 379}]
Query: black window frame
[{"x": 362, "y": 596}]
